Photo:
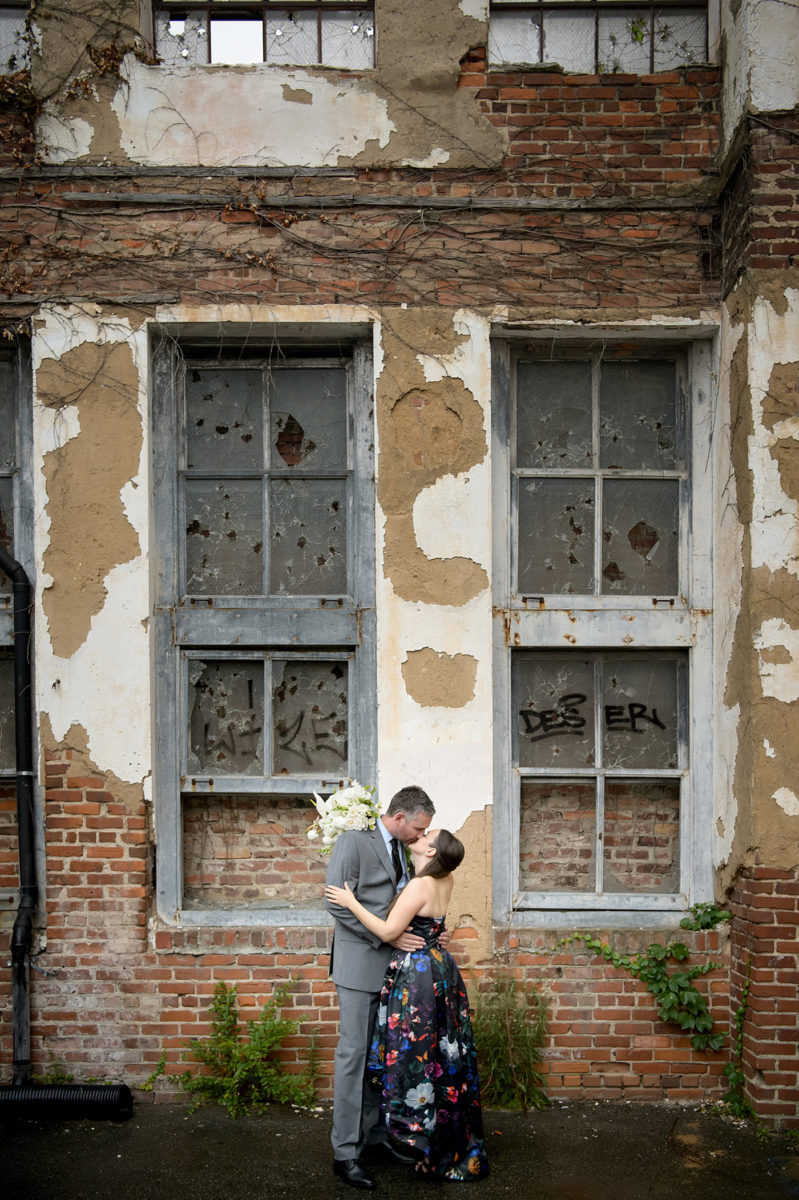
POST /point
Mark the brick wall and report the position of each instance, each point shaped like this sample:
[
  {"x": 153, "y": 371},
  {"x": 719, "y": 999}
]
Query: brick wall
[
  {"x": 765, "y": 905},
  {"x": 117, "y": 993}
]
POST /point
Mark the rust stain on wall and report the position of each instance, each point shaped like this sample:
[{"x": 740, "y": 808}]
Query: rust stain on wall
[
  {"x": 470, "y": 906},
  {"x": 89, "y": 531},
  {"x": 426, "y": 430},
  {"x": 438, "y": 680},
  {"x": 82, "y": 765}
]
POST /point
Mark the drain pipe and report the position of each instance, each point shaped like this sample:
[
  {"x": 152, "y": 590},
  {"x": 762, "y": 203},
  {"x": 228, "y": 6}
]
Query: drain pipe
[
  {"x": 28, "y": 891},
  {"x": 66, "y": 1100}
]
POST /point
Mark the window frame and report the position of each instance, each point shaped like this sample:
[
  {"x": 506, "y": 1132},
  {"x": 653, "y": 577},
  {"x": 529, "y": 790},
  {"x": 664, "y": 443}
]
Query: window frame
[
  {"x": 229, "y": 626},
  {"x": 609, "y": 623}
]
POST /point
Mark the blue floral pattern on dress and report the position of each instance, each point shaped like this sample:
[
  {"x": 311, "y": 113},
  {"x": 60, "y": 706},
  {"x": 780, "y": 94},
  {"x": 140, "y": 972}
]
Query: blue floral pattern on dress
[{"x": 423, "y": 1060}]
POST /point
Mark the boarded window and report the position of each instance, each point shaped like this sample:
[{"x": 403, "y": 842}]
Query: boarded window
[{"x": 266, "y": 641}]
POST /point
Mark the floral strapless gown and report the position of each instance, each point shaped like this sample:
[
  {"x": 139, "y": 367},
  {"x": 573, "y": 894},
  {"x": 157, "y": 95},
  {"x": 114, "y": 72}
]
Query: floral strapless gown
[{"x": 423, "y": 1060}]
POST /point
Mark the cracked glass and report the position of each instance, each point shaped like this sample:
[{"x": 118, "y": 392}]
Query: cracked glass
[
  {"x": 224, "y": 537},
  {"x": 224, "y": 419},
  {"x": 555, "y": 717},
  {"x": 555, "y": 546},
  {"x": 638, "y": 416},
  {"x": 308, "y": 537},
  {"x": 640, "y": 537},
  {"x": 309, "y": 717},
  {"x": 640, "y": 712},
  {"x": 226, "y": 717},
  {"x": 308, "y": 422},
  {"x": 553, "y": 415}
]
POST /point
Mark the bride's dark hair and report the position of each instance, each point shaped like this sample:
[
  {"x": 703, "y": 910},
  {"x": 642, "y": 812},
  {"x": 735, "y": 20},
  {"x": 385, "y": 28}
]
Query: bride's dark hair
[{"x": 449, "y": 855}]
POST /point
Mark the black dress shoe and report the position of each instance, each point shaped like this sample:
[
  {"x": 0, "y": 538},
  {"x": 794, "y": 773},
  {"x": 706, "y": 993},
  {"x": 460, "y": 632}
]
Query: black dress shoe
[{"x": 351, "y": 1171}]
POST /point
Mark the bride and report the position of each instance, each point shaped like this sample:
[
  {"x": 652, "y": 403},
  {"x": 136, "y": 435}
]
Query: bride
[{"x": 422, "y": 1056}]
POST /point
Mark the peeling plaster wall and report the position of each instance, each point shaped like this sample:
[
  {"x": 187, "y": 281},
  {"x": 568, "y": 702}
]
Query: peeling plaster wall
[
  {"x": 762, "y": 676},
  {"x": 408, "y": 110},
  {"x": 91, "y": 530},
  {"x": 434, "y": 598},
  {"x": 761, "y": 49}
]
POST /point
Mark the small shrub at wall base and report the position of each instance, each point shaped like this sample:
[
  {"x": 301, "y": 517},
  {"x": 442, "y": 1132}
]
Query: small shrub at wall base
[
  {"x": 510, "y": 1024},
  {"x": 244, "y": 1073}
]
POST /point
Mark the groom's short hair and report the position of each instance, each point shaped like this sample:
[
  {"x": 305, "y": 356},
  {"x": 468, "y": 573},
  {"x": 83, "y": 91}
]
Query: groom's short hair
[{"x": 410, "y": 800}]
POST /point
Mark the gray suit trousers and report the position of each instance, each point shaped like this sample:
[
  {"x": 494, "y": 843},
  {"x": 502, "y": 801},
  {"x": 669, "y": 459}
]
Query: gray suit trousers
[{"x": 355, "y": 1101}]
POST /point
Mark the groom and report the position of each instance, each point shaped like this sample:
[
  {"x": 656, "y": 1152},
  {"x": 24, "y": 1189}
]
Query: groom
[{"x": 373, "y": 862}]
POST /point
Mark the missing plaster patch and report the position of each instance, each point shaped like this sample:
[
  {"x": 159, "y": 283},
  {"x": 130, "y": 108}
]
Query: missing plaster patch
[
  {"x": 787, "y": 800},
  {"x": 89, "y": 529},
  {"x": 438, "y": 680},
  {"x": 777, "y": 645},
  {"x": 297, "y": 95}
]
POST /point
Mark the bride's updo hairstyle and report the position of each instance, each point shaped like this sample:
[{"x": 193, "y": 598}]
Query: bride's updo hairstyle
[{"x": 449, "y": 855}]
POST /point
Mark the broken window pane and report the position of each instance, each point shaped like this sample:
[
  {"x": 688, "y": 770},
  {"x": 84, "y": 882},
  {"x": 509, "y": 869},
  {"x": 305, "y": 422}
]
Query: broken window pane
[
  {"x": 226, "y": 717},
  {"x": 680, "y": 37},
  {"x": 308, "y": 531},
  {"x": 224, "y": 537},
  {"x": 13, "y": 41},
  {"x": 640, "y": 539},
  {"x": 292, "y": 38},
  {"x": 181, "y": 40},
  {"x": 640, "y": 712},
  {"x": 556, "y": 536},
  {"x": 555, "y": 718},
  {"x": 638, "y": 416},
  {"x": 557, "y": 835},
  {"x": 250, "y": 852},
  {"x": 309, "y": 717},
  {"x": 237, "y": 42},
  {"x": 642, "y": 835},
  {"x": 224, "y": 419},
  {"x": 624, "y": 41},
  {"x": 309, "y": 419},
  {"x": 8, "y": 753},
  {"x": 553, "y": 415},
  {"x": 514, "y": 38},
  {"x": 6, "y": 527},
  {"x": 348, "y": 40},
  {"x": 569, "y": 42}
]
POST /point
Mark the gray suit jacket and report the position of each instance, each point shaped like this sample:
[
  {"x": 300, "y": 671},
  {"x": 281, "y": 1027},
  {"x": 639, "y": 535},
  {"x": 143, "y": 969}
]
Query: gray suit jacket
[{"x": 359, "y": 958}]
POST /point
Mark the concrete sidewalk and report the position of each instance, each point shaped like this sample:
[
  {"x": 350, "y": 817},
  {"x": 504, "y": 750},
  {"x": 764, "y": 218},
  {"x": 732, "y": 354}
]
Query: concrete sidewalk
[{"x": 589, "y": 1151}]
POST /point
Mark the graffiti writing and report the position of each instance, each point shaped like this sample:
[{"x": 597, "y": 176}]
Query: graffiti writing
[
  {"x": 565, "y": 718},
  {"x": 315, "y": 738}
]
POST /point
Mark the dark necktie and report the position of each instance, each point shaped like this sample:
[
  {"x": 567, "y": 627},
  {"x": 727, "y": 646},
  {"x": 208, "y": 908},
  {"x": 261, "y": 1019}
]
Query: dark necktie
[{"x": 395, "y": 858}]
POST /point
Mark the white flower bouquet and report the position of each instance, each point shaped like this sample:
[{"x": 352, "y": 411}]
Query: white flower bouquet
[{"x": 352, "y": 807}]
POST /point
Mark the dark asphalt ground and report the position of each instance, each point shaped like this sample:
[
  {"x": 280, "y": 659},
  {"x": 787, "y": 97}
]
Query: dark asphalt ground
[{"x": 588, "y": 1151}]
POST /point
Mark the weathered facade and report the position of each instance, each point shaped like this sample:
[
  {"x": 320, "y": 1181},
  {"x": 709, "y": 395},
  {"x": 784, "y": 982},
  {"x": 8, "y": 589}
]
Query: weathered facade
[{"x": 407, "y": 412}]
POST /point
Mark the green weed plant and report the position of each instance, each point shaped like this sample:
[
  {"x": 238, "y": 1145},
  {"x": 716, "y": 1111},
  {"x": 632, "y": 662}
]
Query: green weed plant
[{"x": 510, "y": 1026}]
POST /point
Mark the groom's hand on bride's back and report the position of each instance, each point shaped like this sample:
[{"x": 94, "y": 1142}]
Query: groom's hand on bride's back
[{"x": 408, "y": 941}]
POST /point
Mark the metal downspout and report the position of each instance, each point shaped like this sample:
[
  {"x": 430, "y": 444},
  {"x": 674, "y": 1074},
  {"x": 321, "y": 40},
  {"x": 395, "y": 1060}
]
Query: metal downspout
[{"x": 28, "y": 890}]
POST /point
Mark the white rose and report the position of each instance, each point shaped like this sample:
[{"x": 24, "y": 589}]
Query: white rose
[{"x": 313, "y": 833}]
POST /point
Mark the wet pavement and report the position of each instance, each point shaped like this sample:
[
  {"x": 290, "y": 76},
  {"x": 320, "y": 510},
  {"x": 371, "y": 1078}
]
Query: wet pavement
[{"x": 587, "y": 1151}]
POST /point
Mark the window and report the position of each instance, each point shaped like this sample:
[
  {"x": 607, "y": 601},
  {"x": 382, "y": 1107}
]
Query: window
[
  {"x": 16, "y": 538},
  {"x": 599, "y": 35},
  {"x": 13, "y": 38},
  {"x": 603, "y": 668},
  {"x": 265, "y": 616},
  {"x": 333, "y": 33}
]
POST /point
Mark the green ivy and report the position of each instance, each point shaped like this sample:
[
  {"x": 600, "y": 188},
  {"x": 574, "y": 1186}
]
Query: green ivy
[
  {"x": 734, "y": 1100},
  {"x": 678, "y": 1000},
  {"x": 243, "y": 1073},
  {"x": 705, "y": 916}
]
